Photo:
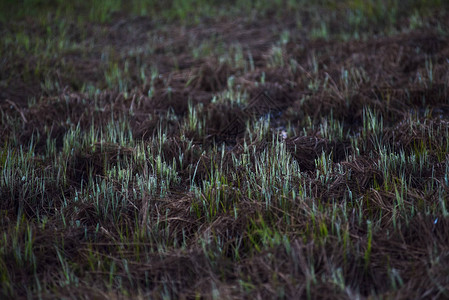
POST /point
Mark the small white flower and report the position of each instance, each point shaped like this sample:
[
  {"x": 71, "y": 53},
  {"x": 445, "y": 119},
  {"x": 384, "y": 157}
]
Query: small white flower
[{"x": 284, "y": 134}]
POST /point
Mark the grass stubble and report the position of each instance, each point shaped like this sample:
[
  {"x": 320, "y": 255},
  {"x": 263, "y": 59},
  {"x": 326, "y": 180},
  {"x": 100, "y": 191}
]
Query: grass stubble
[{"x": 116, "y": 182}]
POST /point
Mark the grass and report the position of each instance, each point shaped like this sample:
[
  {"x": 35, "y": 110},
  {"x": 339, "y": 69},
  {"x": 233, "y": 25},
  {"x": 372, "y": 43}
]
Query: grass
[{"x": 121, "y": 176}]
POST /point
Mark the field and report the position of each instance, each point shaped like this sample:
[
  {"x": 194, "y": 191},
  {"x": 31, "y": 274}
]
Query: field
[{"x": 224, "y": 150}]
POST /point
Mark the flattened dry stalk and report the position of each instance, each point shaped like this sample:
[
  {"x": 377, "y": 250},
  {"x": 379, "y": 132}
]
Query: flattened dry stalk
[
  {"x": 144, "y": 210},
  {"x": 18, "y": 110}
]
